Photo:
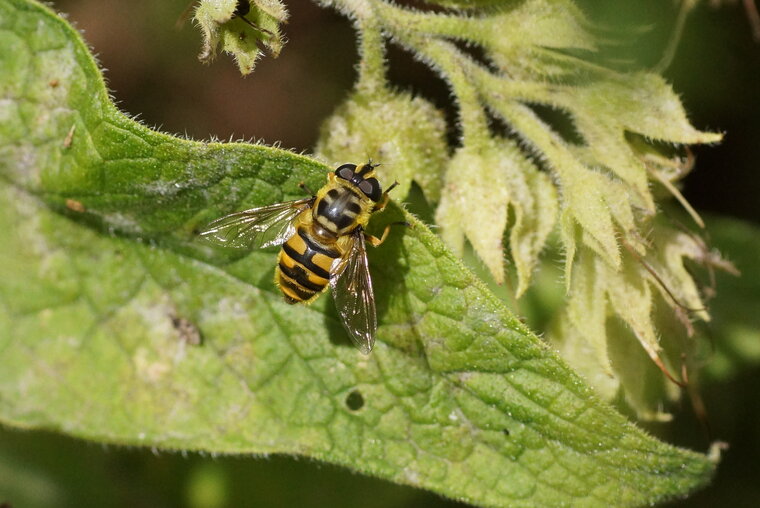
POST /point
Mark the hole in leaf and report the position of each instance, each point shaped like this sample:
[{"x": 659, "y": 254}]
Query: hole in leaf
[
  {"x": 355, "y": 400},
  {"x": 505, "y": 432}
]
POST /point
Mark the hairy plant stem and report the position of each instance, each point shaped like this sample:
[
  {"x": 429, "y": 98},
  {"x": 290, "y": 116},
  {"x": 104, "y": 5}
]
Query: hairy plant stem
[{"x": 372, "y": 66}]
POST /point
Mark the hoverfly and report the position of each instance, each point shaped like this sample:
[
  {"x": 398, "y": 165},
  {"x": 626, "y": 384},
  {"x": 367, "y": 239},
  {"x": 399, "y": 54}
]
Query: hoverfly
[{"x": 323, "y": 242}]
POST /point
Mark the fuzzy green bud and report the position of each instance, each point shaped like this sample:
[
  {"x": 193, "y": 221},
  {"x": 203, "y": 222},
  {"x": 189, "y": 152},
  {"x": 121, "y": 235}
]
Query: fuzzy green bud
[
  {"x": 405, "y": 134},
  {"x": 240, "y": 28}
]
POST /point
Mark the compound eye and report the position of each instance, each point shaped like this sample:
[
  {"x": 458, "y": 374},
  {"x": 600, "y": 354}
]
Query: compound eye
[
  {"x": 346, "y": 171},
  {"x": 371, "y": 187}
]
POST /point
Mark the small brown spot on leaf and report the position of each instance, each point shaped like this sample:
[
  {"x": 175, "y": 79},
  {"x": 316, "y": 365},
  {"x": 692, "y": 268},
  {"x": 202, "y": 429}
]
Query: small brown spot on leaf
[
  {"x": 53, "y": 83},
  {"x": 74, "y": 205},
  {"x": 188, "y": 332},
  {"x": 69, "y": 137}
]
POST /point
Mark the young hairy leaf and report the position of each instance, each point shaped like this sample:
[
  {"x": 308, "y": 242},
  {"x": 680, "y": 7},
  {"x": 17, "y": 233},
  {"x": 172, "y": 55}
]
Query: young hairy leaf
[
  {"x": 505, "y": 180},
  {"x": 240, "y": 28},
  {"x": 595, "y": 179},
  {"x": 118, "y": 325}
]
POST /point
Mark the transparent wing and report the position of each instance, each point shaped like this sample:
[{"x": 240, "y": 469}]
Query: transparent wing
[
  {"x": 258, "y": 227},
  {"x": 352, "y": 291}
]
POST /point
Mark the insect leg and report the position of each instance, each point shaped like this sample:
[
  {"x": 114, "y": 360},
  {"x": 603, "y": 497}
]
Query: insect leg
[
  {"x": 306, "y": 188},
  {"x": 382, "y": 204},
  {"x": 390, "y": 188},
  {"x": 375, "y": 241}
]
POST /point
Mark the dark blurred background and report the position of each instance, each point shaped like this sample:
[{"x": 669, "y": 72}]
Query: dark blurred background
[{"x": 153, "y": 72}]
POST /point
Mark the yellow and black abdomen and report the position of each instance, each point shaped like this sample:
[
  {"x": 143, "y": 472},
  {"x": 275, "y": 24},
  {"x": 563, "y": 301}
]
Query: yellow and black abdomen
[{"x": 303, "y": 270}]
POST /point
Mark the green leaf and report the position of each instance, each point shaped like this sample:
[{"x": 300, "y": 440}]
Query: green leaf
[{"x": 104, "y": 290}]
